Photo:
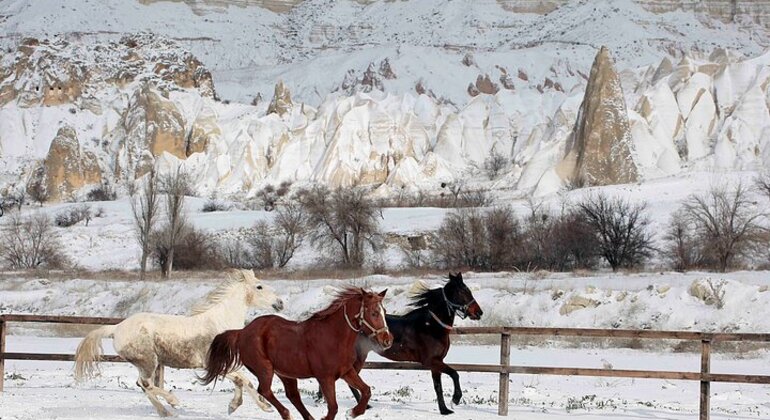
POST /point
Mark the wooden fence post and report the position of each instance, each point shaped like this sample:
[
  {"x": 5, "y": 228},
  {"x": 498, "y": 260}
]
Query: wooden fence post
[
  {"x": 159, "y": 372},
  {"x": 505, "y": 361},
  {"x": 2, "y": 352},
  {"x": 705, "y": 386}
]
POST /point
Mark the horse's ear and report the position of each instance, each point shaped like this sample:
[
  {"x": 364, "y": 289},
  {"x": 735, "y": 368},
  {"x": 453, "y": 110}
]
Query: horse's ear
[
  {"x": 452, "y": 277},
  {"x": 382, "y": 293}
]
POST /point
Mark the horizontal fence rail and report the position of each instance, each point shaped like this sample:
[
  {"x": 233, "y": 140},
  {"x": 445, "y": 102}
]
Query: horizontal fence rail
[{"x": 503, "y": 369}]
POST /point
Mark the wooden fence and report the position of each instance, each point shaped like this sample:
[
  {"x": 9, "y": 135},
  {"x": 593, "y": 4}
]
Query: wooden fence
[{"x": 504, "y": 368}]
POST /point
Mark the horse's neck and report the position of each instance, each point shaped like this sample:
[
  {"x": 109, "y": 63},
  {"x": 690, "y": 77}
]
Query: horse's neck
[
  {"x": 230, "y": 312},
  {"x": 442, "y": 311},
  {"x": 347, "y": 336}
]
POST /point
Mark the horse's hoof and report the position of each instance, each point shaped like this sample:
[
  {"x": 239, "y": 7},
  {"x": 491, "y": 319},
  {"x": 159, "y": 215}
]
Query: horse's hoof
[
  {"x": 456, "y": 399},
  {"x": 446, "y": 411},
  {"x": 349, "y": 414}
]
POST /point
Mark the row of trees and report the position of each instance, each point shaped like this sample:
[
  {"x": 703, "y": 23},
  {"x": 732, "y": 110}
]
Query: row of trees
[{"x": 721, "y": 229}]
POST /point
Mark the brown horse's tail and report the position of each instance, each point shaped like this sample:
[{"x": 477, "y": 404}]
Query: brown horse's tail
[{"x": 223, "y": 356}]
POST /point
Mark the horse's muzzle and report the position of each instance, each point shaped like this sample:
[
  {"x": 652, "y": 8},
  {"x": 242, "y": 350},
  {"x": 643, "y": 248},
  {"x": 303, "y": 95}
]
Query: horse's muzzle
[
  {"x": 475, "y": 312},
  {"x": 384, "y": 339},
  {"x": 278, "y": 305}
]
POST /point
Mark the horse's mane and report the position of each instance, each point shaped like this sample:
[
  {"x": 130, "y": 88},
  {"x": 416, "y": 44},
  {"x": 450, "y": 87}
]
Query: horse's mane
[
  {"x": 422, "y": 296},
  {"x": 219, "y": 293},
  {"x": 341, "y": 298}
]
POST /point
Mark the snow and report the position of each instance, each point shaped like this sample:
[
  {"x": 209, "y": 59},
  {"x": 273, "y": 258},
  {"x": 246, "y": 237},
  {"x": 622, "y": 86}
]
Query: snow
[{"x": 48, "y": 390}]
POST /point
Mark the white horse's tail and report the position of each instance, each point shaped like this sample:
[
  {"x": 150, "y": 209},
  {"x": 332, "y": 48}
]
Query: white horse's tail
[{"x": 89, "y": 351}]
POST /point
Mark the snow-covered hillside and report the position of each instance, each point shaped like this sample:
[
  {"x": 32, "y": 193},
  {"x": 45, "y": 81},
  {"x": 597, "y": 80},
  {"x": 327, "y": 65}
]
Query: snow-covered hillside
[{"x": 390, "y": 95}]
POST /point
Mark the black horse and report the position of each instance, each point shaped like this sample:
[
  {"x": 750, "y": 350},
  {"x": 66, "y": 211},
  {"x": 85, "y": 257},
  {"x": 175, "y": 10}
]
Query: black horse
[{"x": 422, "y": 335}]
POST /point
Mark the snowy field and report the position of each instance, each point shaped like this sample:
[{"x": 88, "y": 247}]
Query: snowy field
[
  {"x": 661, "y": 301},
  {"x": 46, "y": 390}
]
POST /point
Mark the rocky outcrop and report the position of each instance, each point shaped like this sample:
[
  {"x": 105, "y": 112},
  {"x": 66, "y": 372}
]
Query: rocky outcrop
[
  {"x": 599, "y": 149},
  {"x": 67, "y": 168},
  {"x": 56, "y": 72},
  {"x": 150, "y": 126},
  {"x": 281, "y": 102}
]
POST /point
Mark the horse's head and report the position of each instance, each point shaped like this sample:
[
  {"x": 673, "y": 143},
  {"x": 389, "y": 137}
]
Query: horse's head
[
  {"x": 460, "y": 299},
  {"x": 372, "y": 319},
  {"x": 258, "y": 294}
]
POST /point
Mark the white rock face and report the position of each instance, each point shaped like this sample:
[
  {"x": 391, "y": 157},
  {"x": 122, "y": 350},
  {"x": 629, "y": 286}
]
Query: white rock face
[{"x": 709, "y": 110}]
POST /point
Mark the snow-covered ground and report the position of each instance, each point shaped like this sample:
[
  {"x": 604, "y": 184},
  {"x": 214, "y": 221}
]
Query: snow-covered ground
[
  {"x": 45, "y": 390},
  {"x": 660, "y": 301}
]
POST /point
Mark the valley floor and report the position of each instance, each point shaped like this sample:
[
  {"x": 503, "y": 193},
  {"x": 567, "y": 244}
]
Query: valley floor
[{"x": 46, "y": 390}]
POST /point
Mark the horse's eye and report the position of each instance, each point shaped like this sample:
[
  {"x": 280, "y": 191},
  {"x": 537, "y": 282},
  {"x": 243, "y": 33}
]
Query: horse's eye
[{"x": 259, "y": 287}]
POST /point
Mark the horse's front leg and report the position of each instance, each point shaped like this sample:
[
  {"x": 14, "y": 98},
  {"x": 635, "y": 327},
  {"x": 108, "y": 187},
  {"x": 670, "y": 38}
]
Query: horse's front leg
[
  {"x": 458, "y": 393},
  {"x": 436, "y": 374},
  {"x": 355, "y": 382},
  {"x": 330, "y": 394}
]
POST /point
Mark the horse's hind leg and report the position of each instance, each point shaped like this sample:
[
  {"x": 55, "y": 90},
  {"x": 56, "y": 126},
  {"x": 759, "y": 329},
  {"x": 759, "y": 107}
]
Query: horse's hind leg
[
  {"x": 292, "y": 392},
  {"x": 145, "y": 382},
  {"x": 241, "y": 382},
  {"x": 265, "y": 377}
]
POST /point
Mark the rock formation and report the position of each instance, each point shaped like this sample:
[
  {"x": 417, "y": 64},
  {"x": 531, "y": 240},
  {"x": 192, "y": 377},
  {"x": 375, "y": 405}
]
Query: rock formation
[
  {"x": 599, "y": 149},
  {"x": 281, "y": 102},
  {"x": 67, "y": 168}
]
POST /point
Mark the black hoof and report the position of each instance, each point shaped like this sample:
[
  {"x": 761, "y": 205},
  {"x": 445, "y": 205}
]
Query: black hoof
[
  {"x": 368, "y": 407},
  {"x": 456, "y": 399},
  {"x": 446, "y": 411}
]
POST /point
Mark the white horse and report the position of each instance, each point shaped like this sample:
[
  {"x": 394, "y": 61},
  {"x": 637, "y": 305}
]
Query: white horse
[{"x": 148, "y": 340}]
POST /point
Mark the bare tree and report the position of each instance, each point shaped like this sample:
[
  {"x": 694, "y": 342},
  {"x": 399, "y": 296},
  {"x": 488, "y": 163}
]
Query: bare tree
[
  {"x": 344, "y": 219},
  {"x": 290, "y": 222},
  {"x": 728, "y": 221},
  {"x": 683, "y": 248},
  {"x": 621, "y": 229},
  {"x": 175, "y": 186},
  {"x": 145, "y": 210},
  {"x": 763, "y": 183},
  {"x": 37, "y": 189},
  {"x": 30, "y": 242},
  {"x": 494, "y": 164}
]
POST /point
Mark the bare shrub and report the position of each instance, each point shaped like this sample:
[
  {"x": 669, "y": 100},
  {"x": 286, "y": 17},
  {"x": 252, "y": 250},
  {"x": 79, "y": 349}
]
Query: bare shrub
[
  {"x": 233, "y": 254},
  {"x": 494, "y": 164},
  {"x": 145, "y": 211},
  {"x": 213, "y": 205},
  {"x": 11, "y": 199},
  {"x": 476, "y": 198},
  {"x": 274, "y": 245},
  {"x": 102, "y": 193},
  {"x": 479, "y": 240},
  {"x": 729, "y": 222},
  {"x": 30, "y": 242},
  {"x": 194, "y": 250},
  {"x": 261, "y": 243},
  {"x": 682, "y": 247},
  {"x": 175, "y": 185},
  {"x": 557, "y": 241},
  {"x": 268, "y": 197},
  {"x": 621, "y": 229},
  {"x": 74, "y": 215},
  {"x": 342, "y": 222}
]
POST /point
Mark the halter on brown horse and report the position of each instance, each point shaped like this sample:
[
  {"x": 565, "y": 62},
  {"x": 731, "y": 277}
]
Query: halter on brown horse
[{"x": 322, "y": 347}]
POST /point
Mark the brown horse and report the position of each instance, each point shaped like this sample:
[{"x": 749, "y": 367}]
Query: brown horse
[{"x": 322, "y": 347}]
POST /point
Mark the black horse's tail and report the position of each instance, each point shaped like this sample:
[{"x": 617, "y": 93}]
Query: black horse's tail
[{"x": 223, "y": 356}]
